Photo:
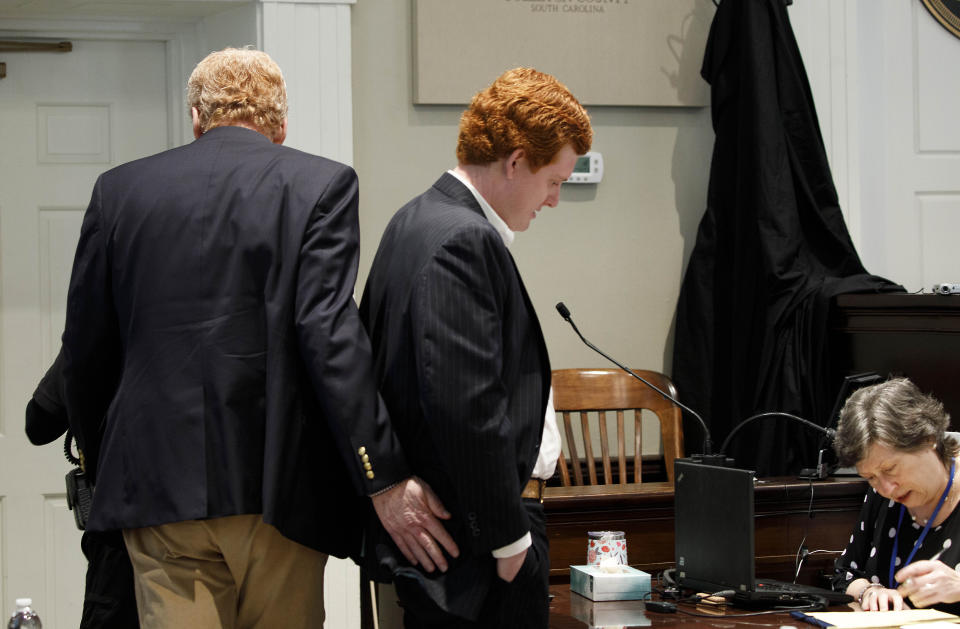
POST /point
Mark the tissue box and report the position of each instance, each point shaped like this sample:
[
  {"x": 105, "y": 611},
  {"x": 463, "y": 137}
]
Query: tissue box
[
  {"x": 629, "y": 585},
  {"x": 608, "y": 613}
]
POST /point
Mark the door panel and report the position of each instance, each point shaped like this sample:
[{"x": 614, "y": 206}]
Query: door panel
[{"x": 66, "y": 117}]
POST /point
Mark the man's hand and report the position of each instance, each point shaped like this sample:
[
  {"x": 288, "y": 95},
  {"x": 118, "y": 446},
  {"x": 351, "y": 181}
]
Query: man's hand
[
  {"x": 928, "y": 582},
  {"x": 508, "y": 567},
  {"x": 409, "y": 512}
]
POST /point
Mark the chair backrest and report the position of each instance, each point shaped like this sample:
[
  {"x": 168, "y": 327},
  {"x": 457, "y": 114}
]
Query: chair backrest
[{"x": 591, "y": 393}]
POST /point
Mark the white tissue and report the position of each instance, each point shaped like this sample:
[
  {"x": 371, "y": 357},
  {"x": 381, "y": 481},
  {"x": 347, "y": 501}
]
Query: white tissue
[{"x": 610, "y": 565}]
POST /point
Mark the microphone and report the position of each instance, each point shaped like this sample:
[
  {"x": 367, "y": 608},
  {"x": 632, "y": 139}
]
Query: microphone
[{"x": 708, "y": 456}]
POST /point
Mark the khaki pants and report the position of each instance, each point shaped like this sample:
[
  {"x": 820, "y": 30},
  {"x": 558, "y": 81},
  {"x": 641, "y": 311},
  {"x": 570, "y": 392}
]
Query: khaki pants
[{"x": 225, "y": 573}]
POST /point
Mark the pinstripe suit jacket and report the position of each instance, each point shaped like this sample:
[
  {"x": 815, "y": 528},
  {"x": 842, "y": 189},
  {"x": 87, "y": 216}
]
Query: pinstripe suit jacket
[{"x": 461, "y": 364}]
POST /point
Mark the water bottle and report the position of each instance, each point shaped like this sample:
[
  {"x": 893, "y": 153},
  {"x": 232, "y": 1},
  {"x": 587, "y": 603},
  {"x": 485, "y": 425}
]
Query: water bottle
[{"x": 25, "y": 618}]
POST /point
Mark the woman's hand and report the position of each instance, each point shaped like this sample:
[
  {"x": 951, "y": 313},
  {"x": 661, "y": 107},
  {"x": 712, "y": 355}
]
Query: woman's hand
[
  {"x": 880, "y": 599},
  {"x": 927, "y": 582},
  {"x": 875, "y": 597}
]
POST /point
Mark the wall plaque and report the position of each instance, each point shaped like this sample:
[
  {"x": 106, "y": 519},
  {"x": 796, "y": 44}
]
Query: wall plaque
[{"x": 608, "y": 52}]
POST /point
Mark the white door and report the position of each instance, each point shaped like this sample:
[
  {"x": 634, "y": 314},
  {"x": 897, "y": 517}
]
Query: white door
[
  {"x": 64, "y": 118},
  {"x": 911, "y": 145}
]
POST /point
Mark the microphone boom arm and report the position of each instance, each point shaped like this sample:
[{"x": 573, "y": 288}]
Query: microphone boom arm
[
  {"x": 707, "y": 443},
  {"x": 830, "y": 432}
]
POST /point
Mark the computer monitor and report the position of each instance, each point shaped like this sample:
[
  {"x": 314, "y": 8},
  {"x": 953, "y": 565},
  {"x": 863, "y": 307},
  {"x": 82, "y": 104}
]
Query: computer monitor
[{"x": 849, "y": 385}]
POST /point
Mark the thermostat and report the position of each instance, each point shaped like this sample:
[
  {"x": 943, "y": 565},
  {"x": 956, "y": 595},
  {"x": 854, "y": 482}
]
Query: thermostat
[{"x": 588, "y": 169}]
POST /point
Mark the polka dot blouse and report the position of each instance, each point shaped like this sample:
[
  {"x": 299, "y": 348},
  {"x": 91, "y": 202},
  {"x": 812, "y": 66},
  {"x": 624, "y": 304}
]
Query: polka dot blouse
[{"x": 867, "y": 555}]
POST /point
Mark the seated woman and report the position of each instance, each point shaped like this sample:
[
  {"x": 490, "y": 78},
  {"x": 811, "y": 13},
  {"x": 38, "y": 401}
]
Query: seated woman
[{"x": 902, "y": 548}]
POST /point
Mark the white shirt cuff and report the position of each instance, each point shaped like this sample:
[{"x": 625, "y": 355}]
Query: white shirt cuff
[
  {"x": 512, "y": 549},
  {"x": 550, "y": 446}
]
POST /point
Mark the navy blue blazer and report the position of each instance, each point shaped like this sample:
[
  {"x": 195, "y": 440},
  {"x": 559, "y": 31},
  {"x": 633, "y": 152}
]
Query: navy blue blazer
[
  {"x": 215, "y": 363},
  {"x": 461, "y": 363}
]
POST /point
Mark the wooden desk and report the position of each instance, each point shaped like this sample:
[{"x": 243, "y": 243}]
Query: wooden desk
[
  {"x": 568, "y": 609},
  {"x": 645, "y": 513}
]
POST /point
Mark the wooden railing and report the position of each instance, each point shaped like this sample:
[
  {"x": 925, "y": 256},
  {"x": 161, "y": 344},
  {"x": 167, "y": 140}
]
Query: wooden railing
[{"x": 645, "y": 513}]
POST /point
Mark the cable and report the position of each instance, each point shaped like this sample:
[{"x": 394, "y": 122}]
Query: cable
[
  {"x": 807, "y": 553},
  {"x": 802, "y": 552},
  {"x": 815, "y": 605},
  {"x": 68, "y": 451},
  {"x": 667, "y": 575}
]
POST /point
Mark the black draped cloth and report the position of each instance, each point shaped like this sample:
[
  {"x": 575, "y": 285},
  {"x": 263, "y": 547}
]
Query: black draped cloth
[{"x": 771, "y": 252}]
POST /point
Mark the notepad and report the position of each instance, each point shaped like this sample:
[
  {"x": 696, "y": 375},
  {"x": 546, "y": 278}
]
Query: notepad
[{"x": 876, "y": 620}]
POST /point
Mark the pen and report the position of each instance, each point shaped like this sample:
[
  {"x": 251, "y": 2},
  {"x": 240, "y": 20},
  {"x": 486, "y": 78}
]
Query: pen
[{"x": 810, "y": 619}]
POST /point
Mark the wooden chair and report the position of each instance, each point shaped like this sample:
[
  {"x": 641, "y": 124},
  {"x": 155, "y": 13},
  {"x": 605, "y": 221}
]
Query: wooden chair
[{"x": 591, "y": 393}]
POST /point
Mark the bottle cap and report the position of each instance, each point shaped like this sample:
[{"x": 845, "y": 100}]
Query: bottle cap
[{"x": 24, "y": 602}]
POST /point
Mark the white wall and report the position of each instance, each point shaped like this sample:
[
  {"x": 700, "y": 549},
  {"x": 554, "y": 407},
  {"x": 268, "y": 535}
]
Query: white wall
[
  {"x": 236, "y": 27},
  {"x": 614, "y": 253},
  {"x": 882, "y": 74},
  {"x": 826, "y": 32}
]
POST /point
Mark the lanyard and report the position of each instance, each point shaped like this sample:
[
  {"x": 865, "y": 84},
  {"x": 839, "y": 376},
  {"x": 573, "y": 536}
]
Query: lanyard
[{"x": 923, "y": 534}]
